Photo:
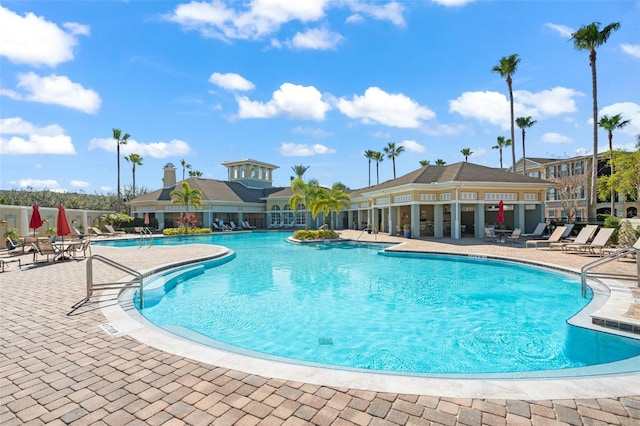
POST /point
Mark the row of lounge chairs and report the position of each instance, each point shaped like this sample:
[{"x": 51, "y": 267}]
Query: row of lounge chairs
[
  {"x": 231, "y": 226},
  {"x": 283, "y": 224},
  {"x": 590, "y": 240}
]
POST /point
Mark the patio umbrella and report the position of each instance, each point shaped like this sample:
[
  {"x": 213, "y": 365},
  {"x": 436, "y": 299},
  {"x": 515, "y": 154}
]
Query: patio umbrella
[
  {"x": 500, "y": 212},
  {"x": 63, "y": 227},
  {"x": 36, "y": 220},
  {"x": 146, "y": 219}
]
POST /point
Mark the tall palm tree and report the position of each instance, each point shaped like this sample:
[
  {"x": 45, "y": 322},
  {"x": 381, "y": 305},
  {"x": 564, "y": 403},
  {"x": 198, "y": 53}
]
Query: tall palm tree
[
  {"x": 368, "y": 154},
  {"x": 331, "y": 201},
  {"x": 392, "y": 152},
  {"x": 185, "y": 166},
  {"x": 195, "y": 173},
  {"x": 424, "y": 163},
  {"x": 378, "y": 158},
  {"x": 120, "y": 140},
  {"x": 304, "y": 193},
  {"x": 610, "y": 124},
  {"x": 467, "y": 153},
  {"x": 299, "y": 170},
  {"x": 502, "y": 143},
  {"x": 186, "y": 197},
  {"x": 524, "y": 123},
  {"x": 588, "y": 38},
  {"x": 440, "y": 162},
  {"x": 135, "y": 160},
  {"x": 506, "y": 68}
]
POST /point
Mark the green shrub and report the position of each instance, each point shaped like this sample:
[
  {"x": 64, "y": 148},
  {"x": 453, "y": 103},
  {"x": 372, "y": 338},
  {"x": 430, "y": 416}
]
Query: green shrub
[
  {"x": 613, "y": 222},
  {"x": 320, "y": 234},
  {"x": 180, "y": 231}
]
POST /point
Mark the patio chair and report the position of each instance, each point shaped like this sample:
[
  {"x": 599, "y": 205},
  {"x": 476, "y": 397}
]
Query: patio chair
[
  {"x": 45, "y": 248},
  {"x": 76, "y": 233},
  {"x": 537, "y": 233},
  {"x": 553, "y": 238},
  {"x": 113, "y": 231},
  {"x": 584, "y": 236},
  {"x": 12, "y": 245},
  {"x": 247, "y": 225},
  {"x": 490, "y": 235},
  {"x": 598, "y": 243},
  {"x": 604, "y": 250},
  {"x": 82, "y": 248},
  {"x": 567, "y": 231},
  {"x": 99, "y": 233},
  {"x": 515, "y": 236}
]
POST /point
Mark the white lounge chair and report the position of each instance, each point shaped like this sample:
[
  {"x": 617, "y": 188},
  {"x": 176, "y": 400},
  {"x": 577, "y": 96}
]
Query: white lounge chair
[
  {"x": 537, "y": 233},
  {"x": 598, "y": 243},
  {"x": 515, "y": 236},
  {"x": 584, "y": 236},
  {"x": 554, "y": 238},
  {"x": 247, "y": 225}
]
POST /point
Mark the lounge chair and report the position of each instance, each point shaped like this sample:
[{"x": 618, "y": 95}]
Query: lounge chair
[
  {"x": 44, "y": 248},
  {"x": 567, "y": 231},
  {"x": 537, "y": 233},
  {"x": 12, "y": 245},
  {"x": 598, "y": 243},
  {"x": 247, "y": 225},
  {"x": 490, "y": 235},
  {"x": 76, "y": 233},
  {"x": 113, "y": 231},
  {"x": 81, "y": 248},
  {"x": 233, "y": 226},
  {"x": 215, "y": 227},
  {"x": 584, "y": 236},
  {"x": 604, "y": 250},
  {"x": 99, "y": 233},
  {"x": 554, "y": 238}
]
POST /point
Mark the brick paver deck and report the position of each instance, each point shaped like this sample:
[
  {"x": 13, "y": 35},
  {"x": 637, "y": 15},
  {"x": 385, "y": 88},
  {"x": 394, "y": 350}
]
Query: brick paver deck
[{"x": 60, "y": 367}]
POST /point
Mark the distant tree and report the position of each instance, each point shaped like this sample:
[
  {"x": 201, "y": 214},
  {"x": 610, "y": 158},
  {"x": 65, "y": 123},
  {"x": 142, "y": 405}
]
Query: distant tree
[
  {"x": 610, "y": 124},
  {"x": 502, "y": 143},
  {"x": 378, "y": 158},
  {"x": 506, "y": 68},
  {"x": 328, "y": 201},
  {"x": 185, "y": 166},
  {"x": 186, "y": 197},
  {"x": 134, "y": 159},
  {"x": 299, "y": 170},
  {"x": 120, "y": 140},
  {"x": 589, "y": 37},
  {"x": 440, "y": 162},
  {"x": 524, "y": 123},
  {"x": 195, "y": 173},
  {"x": 626, "y": 178},
  {"x": 392, "y": 152},
  {"x": 467, "y": 153},
  {"x": 369, "y": 154},
  {"x": 424, "y": 163},
  {"x": 569, "y": 191}
]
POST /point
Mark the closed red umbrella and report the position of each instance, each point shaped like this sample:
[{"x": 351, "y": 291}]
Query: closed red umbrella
[
  {"x": 146, "y": 219},
  {"x": 63, "y": 227},
  {"x": 500, "y": 212},
  {"x": 36, "y": 220}
]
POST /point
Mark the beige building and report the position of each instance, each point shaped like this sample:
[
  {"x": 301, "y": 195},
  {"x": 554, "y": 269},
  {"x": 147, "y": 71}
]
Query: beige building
[
  {"x": 574, "y": 172},
  {"x": 439, "y": 201}
]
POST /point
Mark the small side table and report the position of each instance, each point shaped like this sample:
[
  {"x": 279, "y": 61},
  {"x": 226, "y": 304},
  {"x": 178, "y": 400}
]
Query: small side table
[{"x": 3, "y": 262}]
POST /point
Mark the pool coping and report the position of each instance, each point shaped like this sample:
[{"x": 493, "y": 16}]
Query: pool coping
[{"x": 125, "y": 319}]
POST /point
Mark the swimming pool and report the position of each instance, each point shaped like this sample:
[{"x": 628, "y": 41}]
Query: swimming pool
[{"x": 351, "y": 306}]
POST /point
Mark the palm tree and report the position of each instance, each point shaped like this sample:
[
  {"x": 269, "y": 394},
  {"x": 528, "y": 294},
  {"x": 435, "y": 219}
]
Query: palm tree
[
  {"x": 195, "y": 173},
  {"x": 440, "y": 162},
  {"x": 304, "y": 193},
  {"x": 467, "y": 153},
  {"x": 186, "y": 197},
  {"x": 392, "y": 152},
  {"x": 135, "y": 160},
  {"x": 332, "y": 200},
  {"x": 502, "y": 143},
  {"x": 378, "y": 158},
  {"x": 610, "y": 124},
  {"x": 185, "y": 165},
  {"x": 506, "y": 68},
  {"x": 524, "y": 123},
  {"x": 299, "y": 170},
  {"x": 120, "y": 140},
  {"x": 368, "y": 154},
  {"x": 424, "y": 163},
  {"x": 588, "y": 38}
]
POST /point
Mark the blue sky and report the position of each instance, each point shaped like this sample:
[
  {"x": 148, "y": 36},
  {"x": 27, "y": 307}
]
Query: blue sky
[{"x": 290, "y": 82}]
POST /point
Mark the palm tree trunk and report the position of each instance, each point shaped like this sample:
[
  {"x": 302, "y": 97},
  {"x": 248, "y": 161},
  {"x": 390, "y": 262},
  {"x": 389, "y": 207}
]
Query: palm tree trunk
[
  {"x": 594, "y": 169},
  {"x": 369, "y": 171},
  {"x": 393, "y": 159},
  {"x": 118, "y": 196},
  {"x": 513, "y": 145},
  {"x": 613, "y": 192},
  {"x": 377, "y": 172},
  {"x": 524, "y": 157},
  {"x": 134, "y": 179},
  {"x": 501, "y": 158}
]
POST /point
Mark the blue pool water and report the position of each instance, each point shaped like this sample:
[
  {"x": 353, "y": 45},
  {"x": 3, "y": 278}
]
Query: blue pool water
[{"x": 351, "y": 306}]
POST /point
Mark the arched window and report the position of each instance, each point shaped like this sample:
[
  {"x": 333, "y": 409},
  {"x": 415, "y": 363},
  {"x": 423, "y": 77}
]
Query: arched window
[
  {"x": 301, "y": 215},
  {"x": 253, "y": 172},
  {"x": 275, "y": 214}
]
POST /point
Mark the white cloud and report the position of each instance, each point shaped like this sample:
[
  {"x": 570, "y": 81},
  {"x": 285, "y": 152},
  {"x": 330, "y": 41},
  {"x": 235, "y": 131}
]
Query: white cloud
[
  {"x": 631, "y": 49},
  {"x": 290, "y": 100},
  {"x": 452, "y": 2},
  {"x": 376, "y": 105},
  {"x": 55, "y": 90},
  {"x": 79, "y": 184},
  {"x": 174, "y": 147},
  {"x": 493, "y": 107},
  {"x": 308, "y": 131},
  {"x": 412, "y": 146},
  {"x": 629, "y": 111},
  {"x": 32, "y": 40},
  {"x": 77, "y": 29},
  {"x": 391, "y": 12},
  {"x": 289, "y": 149},
  {"x": 552, "y": 137},
  {"x": 231, "y": 81},
  {"x": 316, "y": 39},
  {"x": 563, "y": 30},
  {"x": 26, "y": 138},
  {"x": 264, "y": 17},
  {"x": 39, "y": 183}
]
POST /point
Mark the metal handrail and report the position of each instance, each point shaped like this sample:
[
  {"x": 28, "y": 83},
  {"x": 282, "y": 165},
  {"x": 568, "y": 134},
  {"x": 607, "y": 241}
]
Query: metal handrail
[
  {"x": 91, "y": 286},
  {"x": 606, "y": 259},
  {"x": 145, "y": 234}
]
